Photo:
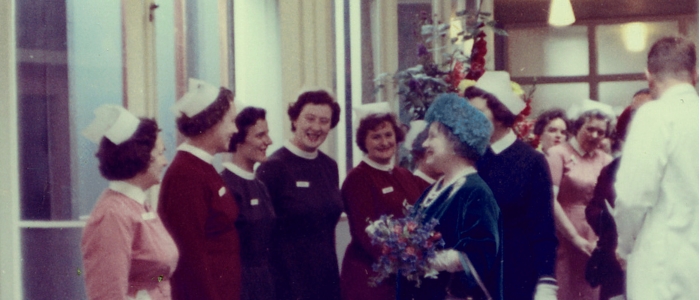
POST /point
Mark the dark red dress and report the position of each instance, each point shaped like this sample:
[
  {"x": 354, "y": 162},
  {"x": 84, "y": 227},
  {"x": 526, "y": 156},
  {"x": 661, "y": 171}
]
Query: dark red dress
[
  {"x": 369, "y": 193},
  {"x": 200, "y": 214}
]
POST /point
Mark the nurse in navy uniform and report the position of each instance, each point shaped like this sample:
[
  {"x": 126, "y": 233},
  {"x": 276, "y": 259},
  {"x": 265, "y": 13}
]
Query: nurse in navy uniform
[
  {"x": 256, "y": 216},
  {"x": 303, "y": 184}
]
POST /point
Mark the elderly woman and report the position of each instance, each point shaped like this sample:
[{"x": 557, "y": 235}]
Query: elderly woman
[
  {"x": 468, "y": 215},
  {"x": 575, "y": 167},
  {"x": 257, "y": 216},
  {"x": 374, "y": 188},
  {"x": 195, "y": 205},
  {"x": 303, "y": 184},
  {"x": 127, "y": 252},
  {"x": 551, "y": 129}
]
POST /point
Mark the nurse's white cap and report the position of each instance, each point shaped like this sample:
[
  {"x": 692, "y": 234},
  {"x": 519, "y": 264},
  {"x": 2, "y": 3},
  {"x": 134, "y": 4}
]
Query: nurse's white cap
[
  {"x": 498, "y": 84},
  {"x": 417, "y": 126},
  {"x": 376, "y": 108},
  {"x": 112, "y": 122},
  {"x": 198, "y": 97},
  {"x": 586, "y": 105}
]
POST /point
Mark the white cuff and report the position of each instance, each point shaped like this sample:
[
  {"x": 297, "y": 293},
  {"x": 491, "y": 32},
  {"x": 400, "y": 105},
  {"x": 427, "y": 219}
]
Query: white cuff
[{"x": 446, "y": 260}]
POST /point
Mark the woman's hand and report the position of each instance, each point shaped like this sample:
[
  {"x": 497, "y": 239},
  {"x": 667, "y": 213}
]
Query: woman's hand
[{"x": 583, "y": 244}]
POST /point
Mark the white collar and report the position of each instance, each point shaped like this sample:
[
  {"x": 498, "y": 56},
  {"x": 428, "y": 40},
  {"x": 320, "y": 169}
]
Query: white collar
[
  {"x": 468, "y": 170},
  {"x": 239, "y": 171},
  {"x": 577, "y": 147},
  {"x": 498, "y": 146},
  {"x": 388, "y": 167},
  {"x": 420, "y": 174},
  {"x": 678, "y": 90},
  {"x": 199, "y": 153},
  {"x": 298, "y": 152},
  {"x": 129, "y": 190}
]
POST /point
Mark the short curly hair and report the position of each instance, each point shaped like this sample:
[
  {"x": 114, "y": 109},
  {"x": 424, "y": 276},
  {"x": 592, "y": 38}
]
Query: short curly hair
[
  {"x": 500, "y": 112},
  {"x": 244, "y": 120},
  {"x": 588, "y": 115},
  {"x": 133, "y": 156},
  {"x": 206, "y": 119},
  {"x": 317, "y": 97},
  {"x": 371, "y": 122},
  {"x": 549, "y": 116}
]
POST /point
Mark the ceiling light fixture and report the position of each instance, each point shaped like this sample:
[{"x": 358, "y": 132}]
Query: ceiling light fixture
[
  {"x": 635, "y": 36},
  {"x": 561, "y": 13}
]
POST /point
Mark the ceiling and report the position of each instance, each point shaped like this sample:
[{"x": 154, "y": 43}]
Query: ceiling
[{"x": 536, "y": 11}]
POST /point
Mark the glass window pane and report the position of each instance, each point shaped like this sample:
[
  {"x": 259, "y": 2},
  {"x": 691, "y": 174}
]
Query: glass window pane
[
  {"x": 559, "y": 95},
  {"x": 623, "y": 48},
  {"x": 50, "y": 264},
  {"x": 548, "y": 51},
  {"x": 619, "y": 93},
  {"x": 67, "y": 65}
]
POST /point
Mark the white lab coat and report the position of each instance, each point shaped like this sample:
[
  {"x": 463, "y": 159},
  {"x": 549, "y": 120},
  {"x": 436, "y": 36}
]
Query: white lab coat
[{"x": 657, "y": 207}]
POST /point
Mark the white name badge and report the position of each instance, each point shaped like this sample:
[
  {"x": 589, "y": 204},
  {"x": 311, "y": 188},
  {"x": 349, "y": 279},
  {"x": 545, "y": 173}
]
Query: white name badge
[
  {"x": 303, "y": 184},
  {"x": 254, "y": 202},
  {"x": 222, "y": 191},
  {"x": 148, "y": 215},
  {"x": 387, "y": 190}
]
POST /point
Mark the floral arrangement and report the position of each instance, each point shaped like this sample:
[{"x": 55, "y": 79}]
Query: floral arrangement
[
  {"x": 417, "y": 86},
  {"x": 407, "y": 243}
]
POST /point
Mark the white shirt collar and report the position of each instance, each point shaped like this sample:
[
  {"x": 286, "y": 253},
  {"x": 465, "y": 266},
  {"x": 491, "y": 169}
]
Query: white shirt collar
[
  {"x": 678, "y": 90},
  {"x": 422, "y": 175},
  {"x": 298, "y": 152},
  {"x": 238, "y": 171},
  {"x": 129, "y": 190},
  {"x": 388, "y": 167},
  {"x": 498, "y": 146},
  {"x": 199, "y": 153},
  {"x": 577, "y": 147}
]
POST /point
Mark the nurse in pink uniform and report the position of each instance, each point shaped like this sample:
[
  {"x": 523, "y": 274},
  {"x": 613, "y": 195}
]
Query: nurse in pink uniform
[
  {"x": 127, "y": 253},
  {"x": 575, "y": 166}
]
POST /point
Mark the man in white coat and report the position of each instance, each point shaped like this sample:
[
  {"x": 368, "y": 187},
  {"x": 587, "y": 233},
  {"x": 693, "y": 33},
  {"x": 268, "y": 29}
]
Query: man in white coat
[{"x": 657, "y": 185}]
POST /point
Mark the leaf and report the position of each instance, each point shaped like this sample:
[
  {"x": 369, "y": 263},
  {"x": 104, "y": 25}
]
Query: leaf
[
  {"x": 461, "y": 13},
  {"x": 443, "y": 27},
  {"x": 486, "y": 14},
  {"x": 500, "y": 31},
  {"x": 426, "y": 29}
]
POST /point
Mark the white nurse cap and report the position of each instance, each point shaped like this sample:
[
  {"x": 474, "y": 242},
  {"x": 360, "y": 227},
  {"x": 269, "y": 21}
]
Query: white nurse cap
[
  {"x": 497, "y": 83},
  {"x": 112, "y": 122},
  {"x": 198, "y": 97},
  {"x": 586, "y": 105}
]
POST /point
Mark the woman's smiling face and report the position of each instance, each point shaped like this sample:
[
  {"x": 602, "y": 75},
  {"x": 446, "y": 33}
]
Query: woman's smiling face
[
  {"x": 439, "y": 151},
  {"x": 312, "y": 126},
  {"x": 381, "y": 143}
]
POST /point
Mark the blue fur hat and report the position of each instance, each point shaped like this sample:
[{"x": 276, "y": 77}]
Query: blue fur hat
[{"x": 465, "y": 121}]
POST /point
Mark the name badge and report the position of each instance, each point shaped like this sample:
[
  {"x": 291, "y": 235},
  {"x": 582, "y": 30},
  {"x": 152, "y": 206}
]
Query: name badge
[
  {"x": 387, "y": 190},
  {"x": 148, "y": 216},
  {"x": 254, "y": 202},
  {"x": 303, "y": 184},
  {"x": 222, "y": 191}
]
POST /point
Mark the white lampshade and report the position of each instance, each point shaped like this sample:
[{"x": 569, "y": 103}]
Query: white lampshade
[{"x": 561, "y": 13}]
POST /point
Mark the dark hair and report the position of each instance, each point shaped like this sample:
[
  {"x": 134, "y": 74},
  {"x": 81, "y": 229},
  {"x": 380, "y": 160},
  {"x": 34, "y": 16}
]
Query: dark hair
[
  {"x": 549, "y": 116},
  {"x": 371, "y": 122},
  {"x": 499, "y": 110},
  {"x": 318, "y": 97},
  {"x": 244, "y": 120},
  {"x": 417, "y": 149},
  {"x": 461, "y": 149},
  {"x": 133, "y": 156},
  {"x": 206, "y": 119},
  {"x": 588, "y": 115},
  {"x": 672, "y": 56},
  {"x": 644, "y": 91}
]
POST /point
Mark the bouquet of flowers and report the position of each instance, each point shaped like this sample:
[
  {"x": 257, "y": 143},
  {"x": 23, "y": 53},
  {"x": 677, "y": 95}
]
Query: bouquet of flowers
[{"x": 407, "y": 243}]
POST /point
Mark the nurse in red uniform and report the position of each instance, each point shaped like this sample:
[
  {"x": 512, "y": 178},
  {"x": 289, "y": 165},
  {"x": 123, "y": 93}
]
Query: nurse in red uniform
[
  {"x": 127, "y": 253},
  {"x": 195, "y": 205}
]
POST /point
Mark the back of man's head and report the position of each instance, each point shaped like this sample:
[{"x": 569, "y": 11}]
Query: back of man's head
[{"x": 672, "y": 57}]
